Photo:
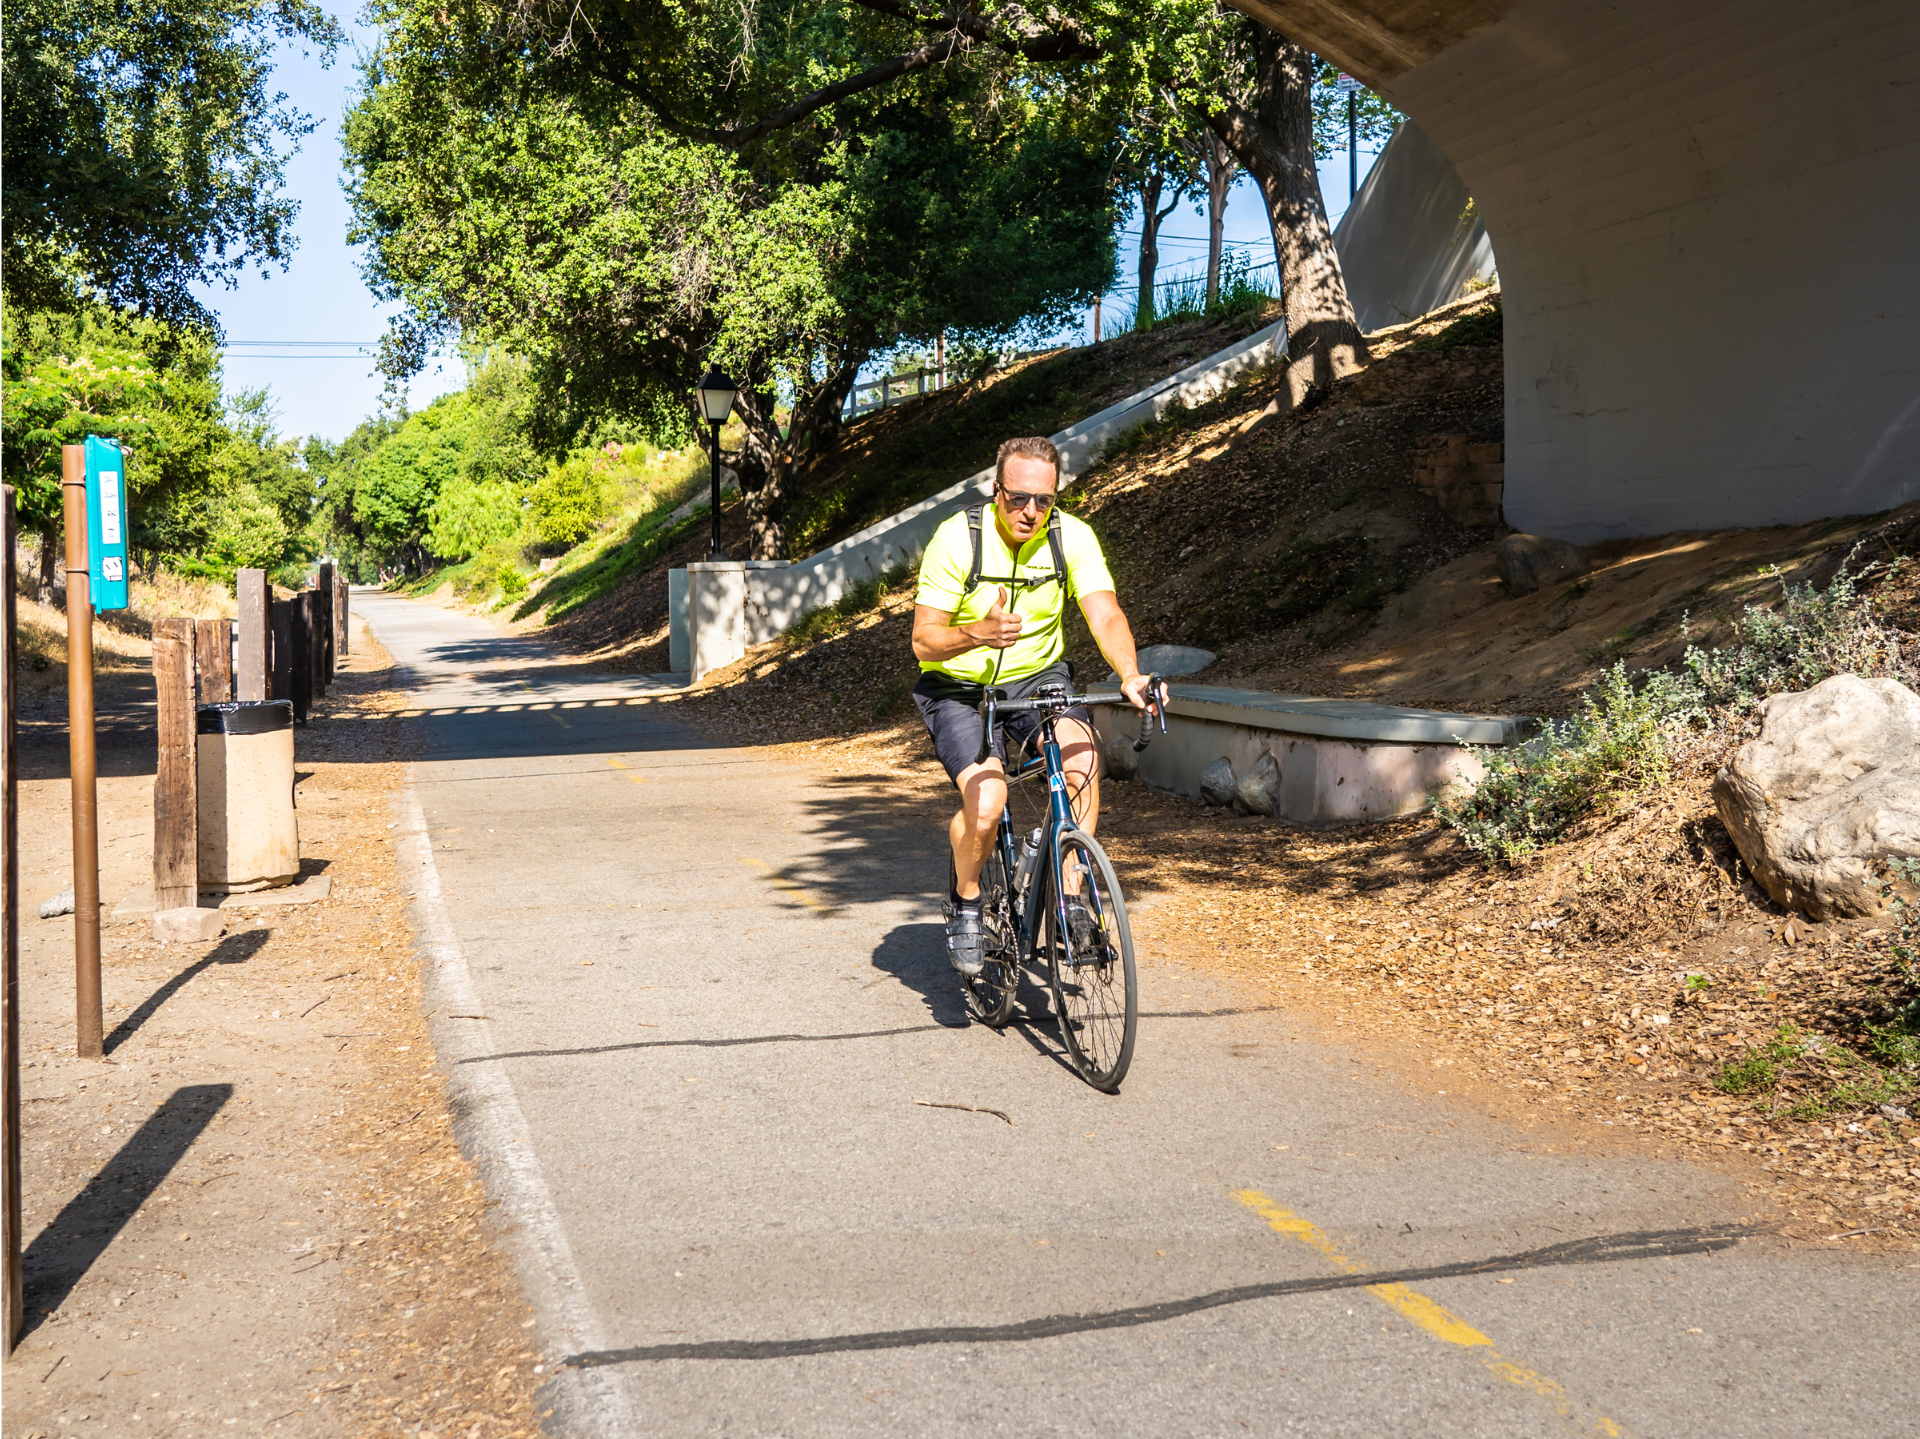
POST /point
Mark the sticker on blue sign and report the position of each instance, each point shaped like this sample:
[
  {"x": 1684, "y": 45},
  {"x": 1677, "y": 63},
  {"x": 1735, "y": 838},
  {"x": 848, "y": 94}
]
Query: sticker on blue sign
[{"x": 106, "y": 524}]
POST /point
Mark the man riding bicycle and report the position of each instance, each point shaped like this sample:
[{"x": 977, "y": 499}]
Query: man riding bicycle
[{"x": 993, "y": 593}]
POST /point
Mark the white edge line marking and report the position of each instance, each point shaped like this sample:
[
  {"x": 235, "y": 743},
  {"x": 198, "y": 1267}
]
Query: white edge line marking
[{"x": 497, "y": 1136}]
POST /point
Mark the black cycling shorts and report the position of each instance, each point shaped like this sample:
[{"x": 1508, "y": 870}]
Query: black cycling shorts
[{"x": 949, "y": 709}]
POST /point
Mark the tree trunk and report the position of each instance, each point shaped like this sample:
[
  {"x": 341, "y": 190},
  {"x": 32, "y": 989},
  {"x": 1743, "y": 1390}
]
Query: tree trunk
[
  {"x": 1273, "y": 141},
  {"x": 771, "y": 465},
  {"x": 1221, "y": 170},
  {"x": 1149, "y": 248},
  {"x": 47, "y": 541}
]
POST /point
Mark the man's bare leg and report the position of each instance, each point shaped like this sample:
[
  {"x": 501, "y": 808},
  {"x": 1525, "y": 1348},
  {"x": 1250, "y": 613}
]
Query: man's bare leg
[{"x": 983, "y": 794}]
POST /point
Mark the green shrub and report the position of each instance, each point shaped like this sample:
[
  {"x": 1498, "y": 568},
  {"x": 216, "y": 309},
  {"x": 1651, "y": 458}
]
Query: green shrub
[
  {"x": 1622, "y": 741},
  {"x": 568, "y": 502},
  {"x": 1761, "y": 1068},
  {"x": 1620, "y": 744},
  {"x": 1478, "y": 327}
]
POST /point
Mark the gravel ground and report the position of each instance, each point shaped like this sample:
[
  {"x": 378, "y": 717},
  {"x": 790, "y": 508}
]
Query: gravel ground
[{"x": 253, "y": 1216}]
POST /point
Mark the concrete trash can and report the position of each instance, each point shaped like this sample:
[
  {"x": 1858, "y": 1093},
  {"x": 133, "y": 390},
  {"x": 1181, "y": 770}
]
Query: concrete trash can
[{"x": 249, "y": 837}]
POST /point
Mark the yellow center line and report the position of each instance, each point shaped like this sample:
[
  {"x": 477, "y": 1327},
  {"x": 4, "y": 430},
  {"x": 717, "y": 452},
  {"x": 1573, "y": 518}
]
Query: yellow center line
[
  {"x": 1437, "y": 1320},
  {"x": 630, "y": 775},
  {"x": 778, "y": 881}
]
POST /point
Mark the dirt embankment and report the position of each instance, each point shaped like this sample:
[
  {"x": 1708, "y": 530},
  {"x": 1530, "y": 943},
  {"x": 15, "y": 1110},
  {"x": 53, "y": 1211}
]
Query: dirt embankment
[{"x": 253, "y": 1213}]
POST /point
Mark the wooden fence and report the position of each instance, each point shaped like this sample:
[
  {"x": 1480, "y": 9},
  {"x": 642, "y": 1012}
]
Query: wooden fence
[{"x": 892, "y": 390}]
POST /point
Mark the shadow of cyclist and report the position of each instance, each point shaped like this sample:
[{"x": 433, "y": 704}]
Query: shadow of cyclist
[{"x": 916, "y": 955}]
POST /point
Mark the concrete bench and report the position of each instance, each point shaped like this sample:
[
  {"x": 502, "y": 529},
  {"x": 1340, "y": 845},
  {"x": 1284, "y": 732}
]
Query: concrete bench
[{"x": 1341, "y": 761}]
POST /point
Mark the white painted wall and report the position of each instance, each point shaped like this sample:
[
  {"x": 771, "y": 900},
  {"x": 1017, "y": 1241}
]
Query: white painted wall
[{"x": 1708, "y": 223}]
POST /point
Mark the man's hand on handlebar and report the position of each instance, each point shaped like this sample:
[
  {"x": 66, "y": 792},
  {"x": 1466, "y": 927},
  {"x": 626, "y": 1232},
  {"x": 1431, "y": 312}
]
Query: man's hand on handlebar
[
  {"x": 1135, "y": 689},
  {"x": 999, "y": 630}
]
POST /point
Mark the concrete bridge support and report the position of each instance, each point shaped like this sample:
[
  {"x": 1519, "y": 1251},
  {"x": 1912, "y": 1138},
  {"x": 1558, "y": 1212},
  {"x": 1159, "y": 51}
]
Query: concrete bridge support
[{"x": 1707, "y": 222}]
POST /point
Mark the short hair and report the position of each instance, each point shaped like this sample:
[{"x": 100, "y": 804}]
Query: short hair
[{"x": 1027, "y": 447}]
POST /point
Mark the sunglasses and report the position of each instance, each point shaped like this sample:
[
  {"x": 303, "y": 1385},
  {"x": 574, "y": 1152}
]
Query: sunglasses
[{"x": 1017, "y": 501}]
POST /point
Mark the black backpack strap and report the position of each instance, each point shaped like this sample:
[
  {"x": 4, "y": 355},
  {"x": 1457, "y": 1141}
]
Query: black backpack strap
[
  {"x": 1059, "y": 548},
  {"x": 973, "y": 529}
]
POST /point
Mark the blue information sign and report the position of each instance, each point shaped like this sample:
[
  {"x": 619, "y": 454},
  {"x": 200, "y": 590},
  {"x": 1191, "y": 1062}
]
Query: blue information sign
[{"x": 106, "y": 523}]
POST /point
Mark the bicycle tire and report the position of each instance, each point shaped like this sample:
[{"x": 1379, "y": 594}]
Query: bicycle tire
[
  {"x": 1095, "y": 998},
  {"x": 990, "y": 993}
]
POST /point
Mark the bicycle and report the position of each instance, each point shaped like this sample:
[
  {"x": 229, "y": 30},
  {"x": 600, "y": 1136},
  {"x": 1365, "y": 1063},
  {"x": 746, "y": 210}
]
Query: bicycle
[{"x": 1024, "y": 904}]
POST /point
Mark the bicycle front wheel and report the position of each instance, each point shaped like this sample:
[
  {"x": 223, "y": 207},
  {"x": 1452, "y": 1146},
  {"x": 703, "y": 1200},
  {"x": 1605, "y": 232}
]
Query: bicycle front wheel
[{"x": 1089, "y": 956}]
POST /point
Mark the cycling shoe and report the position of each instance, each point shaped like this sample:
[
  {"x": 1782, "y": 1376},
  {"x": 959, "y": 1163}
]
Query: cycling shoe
[{"x": 966, "y": 940}]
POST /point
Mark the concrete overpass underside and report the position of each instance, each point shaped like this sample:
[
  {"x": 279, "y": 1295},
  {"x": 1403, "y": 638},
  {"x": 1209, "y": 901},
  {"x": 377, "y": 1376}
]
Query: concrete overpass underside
[{"x": 1707, "y": 223}]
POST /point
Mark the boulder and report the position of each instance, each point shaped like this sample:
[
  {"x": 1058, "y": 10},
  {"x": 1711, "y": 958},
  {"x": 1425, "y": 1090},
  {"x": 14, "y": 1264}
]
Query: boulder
[
  {"x": 1258, "y": 790},
  {"x": 1827, "y": 794},
  {"x": 59, "y": 904},
  {"x": 1122, "y": 761},
  {"x": 1527, "y": 562},
  {"x": 1169, "y": 661},
  {"x": 1216, "y": 782}
]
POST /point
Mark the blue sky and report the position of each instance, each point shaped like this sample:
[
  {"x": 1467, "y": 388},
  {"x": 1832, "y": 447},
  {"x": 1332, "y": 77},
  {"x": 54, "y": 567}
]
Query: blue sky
[{"x": 308, "y": 335}]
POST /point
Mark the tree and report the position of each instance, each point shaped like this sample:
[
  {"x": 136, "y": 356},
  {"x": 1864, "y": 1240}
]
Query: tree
[
  {"x": 1271, "y": 134},
  {"x": 506, "y": 197},
  {"x": 141, "y": 148}
]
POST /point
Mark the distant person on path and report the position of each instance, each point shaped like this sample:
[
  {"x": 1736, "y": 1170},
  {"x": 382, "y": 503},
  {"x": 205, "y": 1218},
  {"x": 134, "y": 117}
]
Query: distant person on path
[{"x": 993, "y": 593}]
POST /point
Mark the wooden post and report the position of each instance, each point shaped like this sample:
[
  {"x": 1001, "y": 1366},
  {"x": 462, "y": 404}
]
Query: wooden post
[
  {"x": 323, "y": 596},
  {"x": 176, "y": 794},
  {"x": 920, "y": 380},
  {"x": 281, "y": 688},
  {"x": 301, "y": 652},
  {"x": 253, "y": 675},
  {"x": 940, "y": 361},
  {"x": 213, "y": 660},
  {"x": 1096, "y": 319},
  {"x": 88, "y": 1031},
  {"x": 340, "y": 645},
  {"x": 15, "y": 1304}
]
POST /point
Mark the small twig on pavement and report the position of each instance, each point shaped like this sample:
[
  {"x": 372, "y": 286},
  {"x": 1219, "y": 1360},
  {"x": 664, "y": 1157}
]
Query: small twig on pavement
[
  {"x": 56, "y": 1364},
  {"x": 358, "y": 1034},
  {"x": 466, "y": 1016},
  {"x": 315, "y": 1005},
  {"x": 970, "y": 1108},
  {"x": 408, "y": 1120},
  {"x": 1855, "y": 1233},
  {"x": 203, "y": 1183}
]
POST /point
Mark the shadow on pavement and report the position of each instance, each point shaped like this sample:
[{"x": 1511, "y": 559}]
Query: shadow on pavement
[{"x": 65, "y": 1250}]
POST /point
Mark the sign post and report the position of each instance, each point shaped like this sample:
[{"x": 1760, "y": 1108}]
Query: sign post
[
  {"x": 80, "y": 759},
  {"x": 106, "y": 524},
  {"x": 1350, "y": 87}
]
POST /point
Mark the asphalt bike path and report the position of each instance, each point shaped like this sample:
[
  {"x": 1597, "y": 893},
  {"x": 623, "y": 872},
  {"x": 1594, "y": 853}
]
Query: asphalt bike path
[{"x": 691, "y": 1002}]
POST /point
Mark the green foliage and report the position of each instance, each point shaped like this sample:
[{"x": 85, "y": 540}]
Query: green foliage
[
  {"x": 1484, "y": 326},
  {"x": 1184, "y": 300},
  {"x": 1622, "y": 741},
  {"x": 1760, "y": 1068},
  {"x": 1698, "y": 984},
  {"x": 862, "y": 597},
  {"x": 1809, "y": 636},
  {"x": 568, "y": 502},
  {"x": 141, "y": 148}
]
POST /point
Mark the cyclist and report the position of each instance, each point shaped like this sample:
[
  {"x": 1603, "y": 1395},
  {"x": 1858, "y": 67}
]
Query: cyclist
[{"x": 993, "y": 591}]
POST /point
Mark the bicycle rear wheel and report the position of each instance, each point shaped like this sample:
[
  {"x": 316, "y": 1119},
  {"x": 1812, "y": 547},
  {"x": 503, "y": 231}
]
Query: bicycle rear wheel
[
  {"x": 1095, "y": 989},
  {"x": 990, "y": 992}
]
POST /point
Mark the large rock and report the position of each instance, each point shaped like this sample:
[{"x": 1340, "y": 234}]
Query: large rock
[
  {"x": 1258, "y": 790},
  {"x": 1527, "y": 562},
  {"x": 1827, "y": 794},
  {"x": 1216, "y": 782},
  {"x": 1122, "y": 760}
]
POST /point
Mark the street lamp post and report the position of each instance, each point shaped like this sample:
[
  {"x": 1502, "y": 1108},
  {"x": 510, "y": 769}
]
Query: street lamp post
[{"x": 716, "y": 394}]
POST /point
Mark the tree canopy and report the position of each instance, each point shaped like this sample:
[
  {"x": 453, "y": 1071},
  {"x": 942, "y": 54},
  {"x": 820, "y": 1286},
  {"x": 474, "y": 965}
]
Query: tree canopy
[
  {"x": 142, "y": 148},
  {"x": 578, "y": 229}
]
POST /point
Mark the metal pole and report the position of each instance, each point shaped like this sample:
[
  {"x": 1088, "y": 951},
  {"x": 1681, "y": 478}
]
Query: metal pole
[
  {"x": 713, "y": 550},
  {"x": 80, "y": 760},
  {"x": 14, "y": 1300},
  {"x": 1353, "y": 144}
]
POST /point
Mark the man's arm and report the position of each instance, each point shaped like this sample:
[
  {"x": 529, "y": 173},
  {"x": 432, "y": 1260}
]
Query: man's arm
[
  {"x": 936, "y": 637},
  {"x": 1115, "y": 637}
]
